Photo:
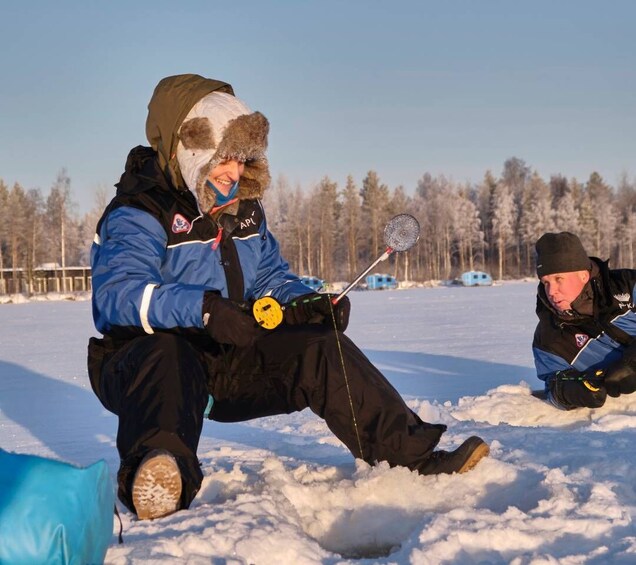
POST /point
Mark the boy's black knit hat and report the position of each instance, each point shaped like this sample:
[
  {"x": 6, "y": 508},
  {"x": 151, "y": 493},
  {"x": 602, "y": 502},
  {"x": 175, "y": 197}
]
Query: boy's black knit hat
[{"x": 560, "y": 253}]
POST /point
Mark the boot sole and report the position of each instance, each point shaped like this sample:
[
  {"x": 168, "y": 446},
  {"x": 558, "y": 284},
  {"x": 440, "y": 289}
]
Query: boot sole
[
  {"x": 157, "y": 486},
  {"x": 481, "y": 451}
]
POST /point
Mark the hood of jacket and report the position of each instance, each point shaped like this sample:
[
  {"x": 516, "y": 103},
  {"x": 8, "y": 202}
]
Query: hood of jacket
[{"x": 194, "y": 123}]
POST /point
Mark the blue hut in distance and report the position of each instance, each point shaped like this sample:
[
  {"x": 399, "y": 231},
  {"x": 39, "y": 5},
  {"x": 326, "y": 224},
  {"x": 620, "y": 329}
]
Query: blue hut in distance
[
  {"x": 380, "y": 281},
  {"x": 476, "y": 278}
]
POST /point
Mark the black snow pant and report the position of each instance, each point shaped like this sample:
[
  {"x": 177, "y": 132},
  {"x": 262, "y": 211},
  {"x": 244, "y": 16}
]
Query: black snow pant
[{"x": 158, "y": 386}]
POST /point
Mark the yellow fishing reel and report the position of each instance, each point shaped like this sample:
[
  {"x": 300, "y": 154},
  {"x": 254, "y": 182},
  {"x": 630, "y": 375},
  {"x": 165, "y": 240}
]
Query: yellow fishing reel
[{"x": 267, "y": 312}]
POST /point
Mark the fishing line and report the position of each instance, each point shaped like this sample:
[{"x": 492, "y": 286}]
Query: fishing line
[{"x": 400, "y": 234}]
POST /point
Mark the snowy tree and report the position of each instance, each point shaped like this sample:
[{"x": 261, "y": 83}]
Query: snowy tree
[
  {"x": 299, "y": 248},
  {"x": 375, "y": 200},
  {"x": 350, "y": 226},
  {"x": 88, "y": 224},
  {"x": 437, "y": 196},
  {"x": 62, "y": 226},
  {"x": 281, "y": 207},
  {"x": 604, "y": 199},
  {"x": 399, "y": 202},
  {"x": 598, "y": 216},
  {"x": 536, "y": 215},
  {"x": 4, "y": 226},
  {"x": 325, "y": 213},
  {"x": 515, "y": 174},
  {"x": 485, "y": 197},
  {"x": 467, "y": 231},
  {"x": 17, "y": 240},
  {"x": 34, "y": 208},
  {"x": 626, "y": 225},
  {"x": 503, "y": 221},
  {"x": 566, "y": 211}
]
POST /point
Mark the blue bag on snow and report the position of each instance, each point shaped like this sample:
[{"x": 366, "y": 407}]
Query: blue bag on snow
[{"x": 53, "y": 512}]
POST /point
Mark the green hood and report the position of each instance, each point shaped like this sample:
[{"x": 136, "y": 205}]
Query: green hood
[{"x": 171, "y": 101}]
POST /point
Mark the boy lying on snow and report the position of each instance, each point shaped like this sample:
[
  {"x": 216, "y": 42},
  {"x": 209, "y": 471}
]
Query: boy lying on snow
[{"x": 585, "y": 342}]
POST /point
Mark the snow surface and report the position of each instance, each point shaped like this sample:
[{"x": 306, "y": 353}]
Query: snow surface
[{"x": 559, "y": 487}]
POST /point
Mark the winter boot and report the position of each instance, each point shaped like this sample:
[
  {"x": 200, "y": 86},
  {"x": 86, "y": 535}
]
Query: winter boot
[
  {"x": 157, "y": 485},
  {"x": 463, "y": 459}
]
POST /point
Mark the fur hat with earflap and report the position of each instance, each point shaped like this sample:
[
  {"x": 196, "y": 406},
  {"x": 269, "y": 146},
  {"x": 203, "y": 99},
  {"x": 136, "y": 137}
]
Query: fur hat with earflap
[{"x": 220, "y": 127}]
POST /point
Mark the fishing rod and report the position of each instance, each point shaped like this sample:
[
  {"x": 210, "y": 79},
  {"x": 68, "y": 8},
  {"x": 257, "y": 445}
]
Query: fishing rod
[{"x": 400, "y": 234}]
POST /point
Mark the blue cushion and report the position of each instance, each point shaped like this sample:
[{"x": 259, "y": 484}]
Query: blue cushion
[{"x": 53, "y": 512}]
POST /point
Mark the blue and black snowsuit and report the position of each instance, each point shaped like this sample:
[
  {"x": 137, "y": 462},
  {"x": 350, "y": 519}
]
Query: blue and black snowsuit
[
  {"x": 154, "y": 257},
  {"x": 594, "y": 339}
]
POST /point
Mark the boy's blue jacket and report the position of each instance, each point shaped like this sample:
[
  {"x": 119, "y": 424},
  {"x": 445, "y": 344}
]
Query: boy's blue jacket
[{"x": 155, "y": 255}]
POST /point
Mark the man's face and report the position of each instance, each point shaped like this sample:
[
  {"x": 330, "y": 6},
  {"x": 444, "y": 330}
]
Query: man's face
[
  {"x": 225, "y": 174},
  {"x": 563, "y": 288}
]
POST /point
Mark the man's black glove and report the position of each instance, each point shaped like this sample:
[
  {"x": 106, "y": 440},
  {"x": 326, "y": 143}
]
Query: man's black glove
[
  {"x": 227, "y": 322},
  {"x": 315, "y": 308},
  {"x": 620, "y": 377},
  {"x": 571, "y": 389}
]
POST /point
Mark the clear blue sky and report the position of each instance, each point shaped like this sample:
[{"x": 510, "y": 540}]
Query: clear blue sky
[{"x": 403, "y": 88}]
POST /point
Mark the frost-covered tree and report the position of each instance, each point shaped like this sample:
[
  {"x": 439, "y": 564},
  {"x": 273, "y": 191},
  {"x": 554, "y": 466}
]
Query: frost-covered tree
[
  {"x": 17, "y": 205},
  {"x": 485, "y": 197},
  {"x": 603, "y": 198},
  {"x": 503, "y": 222},
  {"x": 375, "y": 200},
  {"x": 515, "y": 174},
  {"x": 4, "y": 219},
  {"x": 436, "y": 196},
  {"x": 325, "y": 212},
  {"x": 467, "y": 231},
  {"x": 62, "y": 224},
  {"x": 566, "y": 211},
  {"x": 350, "y": 226},
  {"x": 399, "y": 203},
  {"x": 88, "y": 224},
  {"x": 598, "y": 216},
  {"x": 34, "y": 234},
  {"x": 626, "y": 224},
  {"x": 536, "y": 215},
  {"x": 281, "y": 207}
]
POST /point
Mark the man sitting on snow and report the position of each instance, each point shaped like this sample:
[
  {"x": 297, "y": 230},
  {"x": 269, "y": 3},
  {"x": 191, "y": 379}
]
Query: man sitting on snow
[
  {"x": 585, "y": 342},
  {"x": 179, "y": 252}
]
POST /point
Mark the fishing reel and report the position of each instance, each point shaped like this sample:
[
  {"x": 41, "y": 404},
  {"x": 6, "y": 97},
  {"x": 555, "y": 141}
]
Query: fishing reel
[{"x": 268, "y": 312}]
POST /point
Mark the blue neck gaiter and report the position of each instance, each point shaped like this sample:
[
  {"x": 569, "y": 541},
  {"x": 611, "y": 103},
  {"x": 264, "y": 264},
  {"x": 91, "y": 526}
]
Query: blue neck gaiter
[{"x": 221, "y": 198}]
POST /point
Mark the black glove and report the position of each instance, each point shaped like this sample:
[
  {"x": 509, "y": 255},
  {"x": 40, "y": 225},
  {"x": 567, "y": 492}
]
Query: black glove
[
  {"x": 571, "y": 389},
  {"x": 227, "y": 322},
  {"x": 314, "y": 308},
  {"x": 620, "y": 377}
]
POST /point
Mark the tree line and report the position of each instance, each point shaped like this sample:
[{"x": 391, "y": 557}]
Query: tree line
[
  {"x": 335, "y": 232},
  {"x": 491, "y": 225}
]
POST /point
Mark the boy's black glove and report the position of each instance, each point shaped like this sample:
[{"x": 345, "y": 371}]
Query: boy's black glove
[
  {"x": 315, "y": 308},
  {"x": 571, "y": 389},
  {"x": 227, "y": 322},
  {"x": 620, "y": 377}
]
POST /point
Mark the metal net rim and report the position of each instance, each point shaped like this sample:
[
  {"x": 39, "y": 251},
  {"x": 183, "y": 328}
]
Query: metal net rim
[{"x": 402, "y": 232}]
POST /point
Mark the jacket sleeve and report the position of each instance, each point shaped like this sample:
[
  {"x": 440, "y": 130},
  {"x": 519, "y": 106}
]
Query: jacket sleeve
[
  {"x": 273, "y": 277},
  {"x": 128, "y": 290},
  {"x": 547, "y": 364}
]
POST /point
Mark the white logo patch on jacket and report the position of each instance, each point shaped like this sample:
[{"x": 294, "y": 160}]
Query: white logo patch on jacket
[
  {"x": 624, "y": 300},
  {"x": 180, "y": 224},
  {"x": 581, "y": 340}
]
